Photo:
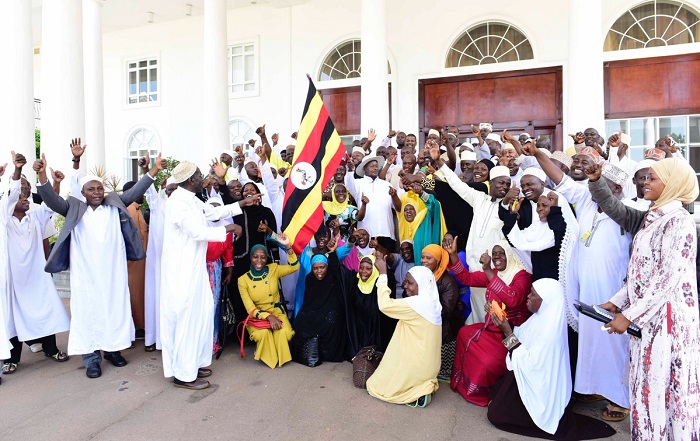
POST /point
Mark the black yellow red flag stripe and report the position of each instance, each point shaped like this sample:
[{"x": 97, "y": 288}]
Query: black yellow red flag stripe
[{"x": 319, "y": 151}]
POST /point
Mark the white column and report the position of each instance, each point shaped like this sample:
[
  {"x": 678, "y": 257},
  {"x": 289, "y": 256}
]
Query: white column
[
  {"x": 17, "y": 78},
  {"x": 584, "y": 70},
  {"x": 63, "y": 100},
  {"x": 375, "y": 90},
  {"x": 94, "y": 84},
  {"x": 216, "y": 135}
]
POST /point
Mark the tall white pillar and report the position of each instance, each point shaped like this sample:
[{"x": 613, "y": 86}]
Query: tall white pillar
[
  {"x": 584, "y": 71},
  {"x": 375, "y": 89},
  {"x": 215, "y": 87},
  {"x": 17, "y": 104},
  {"x": 63, "y": 100},
  {"x": 94, "y": 84}
]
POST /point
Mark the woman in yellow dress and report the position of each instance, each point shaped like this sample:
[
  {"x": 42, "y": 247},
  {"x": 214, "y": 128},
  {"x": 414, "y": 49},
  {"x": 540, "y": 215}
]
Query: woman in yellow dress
[
  {"x": 408, "y": 372},
  {"x": 260, "y": 294}
]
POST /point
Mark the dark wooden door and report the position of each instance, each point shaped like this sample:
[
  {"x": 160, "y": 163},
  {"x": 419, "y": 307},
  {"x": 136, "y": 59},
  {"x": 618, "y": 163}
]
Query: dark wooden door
[
  {"x": 520, "y": 101},
  {"x": 344, "y": 106}
]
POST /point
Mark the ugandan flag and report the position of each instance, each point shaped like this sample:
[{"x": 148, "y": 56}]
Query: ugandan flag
[{"x": 317, "y": 156}]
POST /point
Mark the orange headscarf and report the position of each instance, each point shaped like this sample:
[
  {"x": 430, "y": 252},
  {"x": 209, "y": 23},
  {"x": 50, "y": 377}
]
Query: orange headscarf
[{"x": 441, "y": 255}]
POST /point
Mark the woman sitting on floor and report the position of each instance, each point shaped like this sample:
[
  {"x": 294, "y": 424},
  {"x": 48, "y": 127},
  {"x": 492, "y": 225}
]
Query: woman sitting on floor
[
  {"x": 259, "y": 290},
  {"x": 533, "y": 397},
  {"x": 408, "y": 372}
]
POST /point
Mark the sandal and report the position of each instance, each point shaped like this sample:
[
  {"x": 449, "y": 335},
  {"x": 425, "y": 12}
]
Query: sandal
[
  {"x": 59, "y": 356},
  {"x": 9, "y": 368},
  {"x": 592, "y": 398},
  {"x": 422, "y": 401},
  {"x": 614, "y": 413}
]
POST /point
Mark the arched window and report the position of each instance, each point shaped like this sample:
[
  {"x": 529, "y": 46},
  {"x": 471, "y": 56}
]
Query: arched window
[
  {"x": 344, "y": 62},
  {"x": 140, "y": 141},
  {"x": 653, "y": 24},
  {"x": 240, "y": 132},
  {"x": 489, "y": 43}
]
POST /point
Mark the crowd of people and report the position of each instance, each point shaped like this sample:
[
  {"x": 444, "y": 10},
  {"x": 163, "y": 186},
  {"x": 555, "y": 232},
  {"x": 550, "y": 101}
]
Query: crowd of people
[{"x": 463, "y": 261}]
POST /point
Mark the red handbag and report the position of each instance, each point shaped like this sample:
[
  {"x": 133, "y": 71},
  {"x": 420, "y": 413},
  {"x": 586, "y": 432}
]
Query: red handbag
[{"x": 254, "y": 322}]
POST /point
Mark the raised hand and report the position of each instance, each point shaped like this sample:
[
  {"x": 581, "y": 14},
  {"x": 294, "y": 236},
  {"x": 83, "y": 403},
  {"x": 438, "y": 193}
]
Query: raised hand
[
  {"x": 476, "y": 131},
  {"x": 600, "y": 150},
  {"x": 392, "y": 191},
  {"x": 485, "y": 261},
  {"x": 578, "y": 137},
  {"x": 373, "y": 242},
  {"x": 379, "y": 262},
  {"x": 18, "y": 160},
  {"x": 39, "y": 165},
  {"x": 332, "y": 244},
  {"x": 275, "y": 138},
  {"x": 391, "y": 159},
  {"x": 417, "y": 188},
  {"x": 614, "y": 140},
  {"x": 515, "y": 205},
  {"x": 250, "y": 200},
  {"x": 260, "y": 131},
  {"x": 371, "y": 135},
  {"x": 218, "y": 168},
  {"x": 391, "y": 134},
  {"x": 512, "y": 195},
  {"x": 434, "y": 149},
  {"x": 451, "y": 248},
  {"x": 159, "y": 165},
  {"x": 57, "y": 176},
  {"x": 3, "y": 168},
  {"x": 263, "y": 228},
  {"x": 364, "y": 199},
  {"x": 283, "y": 239},
  {"x": 553, "y": 198},
  {"x": 294, "y": 135},
  {"x": 593, "y": 172},
  {"x": 76, "y": 149},
  {"x": 237, "y": 230}
]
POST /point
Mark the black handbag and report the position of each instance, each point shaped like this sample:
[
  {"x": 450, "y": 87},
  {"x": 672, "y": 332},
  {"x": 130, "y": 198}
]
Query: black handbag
[
  {"x": 307, "y": 352},
  {"x": 364, "y": 364},
  {"x": 227, "y": 319}
]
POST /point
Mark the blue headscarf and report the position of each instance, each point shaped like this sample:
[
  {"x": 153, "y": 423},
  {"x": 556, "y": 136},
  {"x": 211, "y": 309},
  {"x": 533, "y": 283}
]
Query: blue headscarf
[{"x": 319, "y": 258}]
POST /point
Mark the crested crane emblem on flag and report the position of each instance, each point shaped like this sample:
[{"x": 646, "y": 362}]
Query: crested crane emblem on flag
[
  {"x": 303, "y": 175},
  {"x": 318, "y": 153}
]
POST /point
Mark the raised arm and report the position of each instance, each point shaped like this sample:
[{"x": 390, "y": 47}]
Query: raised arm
[
  {"x": 8, "y": 203},
  {"x": 628, "y": 218},
  {"x": 50, "y": 198}
]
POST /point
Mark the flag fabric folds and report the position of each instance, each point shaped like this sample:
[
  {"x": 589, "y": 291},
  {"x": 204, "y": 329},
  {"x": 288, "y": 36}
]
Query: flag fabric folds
[{"x": 319, "y": 151}]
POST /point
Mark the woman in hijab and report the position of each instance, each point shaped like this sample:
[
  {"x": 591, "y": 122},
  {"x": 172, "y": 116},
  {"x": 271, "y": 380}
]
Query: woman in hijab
[
  {"x": 533, "y": 397},
  {"x": 464, "y": 292},
  {"x": 363, "y": 246},
  {"x": 420, "y": 219},
  {"x": 436, "y": 259},
  {"x": 408, "y": 372},
  {"x": 362, "y": 315},
  {"x": 253, "y": 234},
  {"x": 660, "y": 296},
  {"x": 339, "y": 208},
  {"x": 480, "y": 356},
  {"x": 220, "y": 268},
  {"x": 321, "y": 315},
  {"x": 259, "y": 289}
]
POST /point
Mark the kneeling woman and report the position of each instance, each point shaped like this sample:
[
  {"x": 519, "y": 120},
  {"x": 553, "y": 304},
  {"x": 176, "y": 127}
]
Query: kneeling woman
[
  {"x": 259, "y": 290},
  {"x": 408, "y": 371},
  {"x": 533, "y": 398},
  {"x": 480, "y": 356},
  {"x": 321, "y": 315}
]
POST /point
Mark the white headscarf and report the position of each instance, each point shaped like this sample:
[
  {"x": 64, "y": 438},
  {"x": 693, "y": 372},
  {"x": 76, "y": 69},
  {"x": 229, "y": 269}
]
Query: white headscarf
[
  {"x": 541, "y": 363},
  {"x": 427, "y": 302}
]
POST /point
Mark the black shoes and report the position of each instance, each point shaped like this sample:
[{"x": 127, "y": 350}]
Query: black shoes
[
  {"x": 93, "y": 371},
  {"x": 115, "y": 358}
]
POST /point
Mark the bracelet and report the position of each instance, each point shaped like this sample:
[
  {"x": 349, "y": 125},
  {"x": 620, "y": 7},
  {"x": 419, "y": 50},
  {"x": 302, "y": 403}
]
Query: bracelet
[{"x": 511, "y": 342}]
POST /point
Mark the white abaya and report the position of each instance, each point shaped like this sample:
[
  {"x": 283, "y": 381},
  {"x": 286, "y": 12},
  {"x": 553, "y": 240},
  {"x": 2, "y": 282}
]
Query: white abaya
[{"x": 156, "y": 203}]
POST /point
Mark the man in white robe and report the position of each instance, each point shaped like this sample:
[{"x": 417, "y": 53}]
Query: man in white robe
[
  {"x": 37, "y": 310},
  {"x": 186, "y": 300},
  {"x": 486, "y": 227},
  {"x": 602, "y": 259},
  {"x": 97, "y": 238}
]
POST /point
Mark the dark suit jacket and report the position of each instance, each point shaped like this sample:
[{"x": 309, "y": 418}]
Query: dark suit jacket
[{"x": 73, "y": 210}]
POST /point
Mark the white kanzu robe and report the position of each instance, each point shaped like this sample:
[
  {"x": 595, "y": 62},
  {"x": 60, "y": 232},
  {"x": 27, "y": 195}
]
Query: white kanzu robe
[
  {"x": 186, "y": 300},
  {"x": 602, "y": 259},
  {"x": 100, "y": 303},
  {"x": 7, "y": 325},
  {"x": 485, "y": 232},
  {"x": 156, "y": 204},
  {"x": 36, "y": 307}
]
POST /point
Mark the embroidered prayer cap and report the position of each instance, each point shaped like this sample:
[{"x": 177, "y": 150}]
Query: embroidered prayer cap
[
  {"x": 360, "y": 170},
  {"x": 654, "y": 154},
  {"x": 644, "y": 164},
  {"x": 182, "y": 172},
  {"x": 625, "y": 139},
  {"x": 546, "y": 152},
  {"x": 562, "y": 157},
  {"x": 486, "y": 126},
  {"x": 494, "y": 137},
  {"x": 433, "y": 132},
  {"x": 536, "y": 172},
  {"x": 88, "y": 178},
  {"x": 467, "y": 156},
  {"x": 615, "y": 174},
  {"x": 679, "y": 179},
  {"x": 358, "y": 150},
  {"x": 508, "y": 146},
  {"x": 593, "y": 153},
  {"x": 498, "y": 171}
]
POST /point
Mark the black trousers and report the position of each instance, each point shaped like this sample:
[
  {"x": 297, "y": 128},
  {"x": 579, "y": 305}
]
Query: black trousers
[{"x": 48, "y": 343}]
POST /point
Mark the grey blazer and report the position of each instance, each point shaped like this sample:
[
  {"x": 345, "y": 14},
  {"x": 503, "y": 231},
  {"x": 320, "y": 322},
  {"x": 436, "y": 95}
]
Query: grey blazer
[
  {"x": 73, "y": 210},
  {"x": 631, "y": 219}
]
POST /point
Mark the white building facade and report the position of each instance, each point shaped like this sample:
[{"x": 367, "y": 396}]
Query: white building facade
[{"x": 191, "y": 78}]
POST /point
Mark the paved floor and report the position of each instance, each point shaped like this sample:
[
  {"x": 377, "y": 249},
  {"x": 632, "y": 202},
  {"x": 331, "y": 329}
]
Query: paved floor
[{"x": 247, "y": 401}]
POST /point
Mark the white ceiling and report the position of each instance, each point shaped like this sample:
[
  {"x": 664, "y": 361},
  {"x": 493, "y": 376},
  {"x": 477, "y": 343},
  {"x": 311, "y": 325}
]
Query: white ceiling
[{"x": 123, "y": 14}]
